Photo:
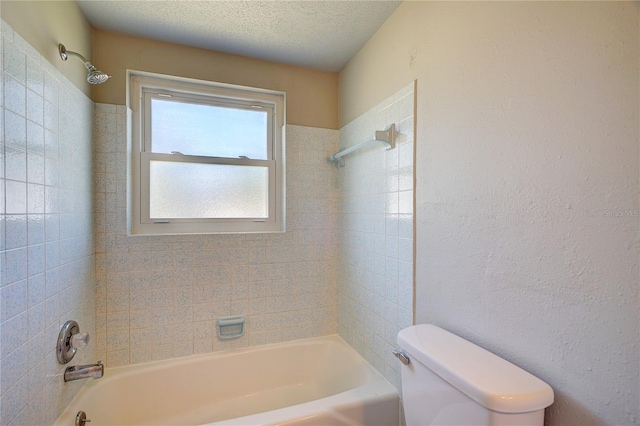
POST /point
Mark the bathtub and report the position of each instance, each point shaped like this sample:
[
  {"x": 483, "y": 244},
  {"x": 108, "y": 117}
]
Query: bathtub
[{"x": 320, "y": 381}]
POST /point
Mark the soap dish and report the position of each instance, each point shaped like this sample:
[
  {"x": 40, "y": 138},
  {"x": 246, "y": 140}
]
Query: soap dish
[{"x": 231, "y": 327}]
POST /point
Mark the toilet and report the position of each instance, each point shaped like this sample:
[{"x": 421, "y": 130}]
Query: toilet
[{"x": 447, "y": 380}]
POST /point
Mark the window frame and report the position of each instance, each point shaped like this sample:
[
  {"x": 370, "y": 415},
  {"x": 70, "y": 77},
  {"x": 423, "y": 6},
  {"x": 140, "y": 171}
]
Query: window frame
[{"x": 143, "y": 88}]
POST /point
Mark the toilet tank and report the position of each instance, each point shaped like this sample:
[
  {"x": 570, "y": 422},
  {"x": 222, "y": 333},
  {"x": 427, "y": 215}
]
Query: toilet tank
[{"x": 451, "y": 381}]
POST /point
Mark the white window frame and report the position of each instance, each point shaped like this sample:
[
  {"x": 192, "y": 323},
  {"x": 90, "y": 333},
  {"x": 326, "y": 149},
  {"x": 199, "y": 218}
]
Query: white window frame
[{"x": 145, "y": 86}]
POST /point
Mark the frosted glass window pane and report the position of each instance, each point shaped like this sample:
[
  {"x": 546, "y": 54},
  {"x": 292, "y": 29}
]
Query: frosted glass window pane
[
  {"x": 196, "y": 129},
  {"x": 196, "y": 190}
]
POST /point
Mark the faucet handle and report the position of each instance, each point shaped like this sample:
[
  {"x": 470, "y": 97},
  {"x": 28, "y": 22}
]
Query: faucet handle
[{"x": 79, "y": 340}]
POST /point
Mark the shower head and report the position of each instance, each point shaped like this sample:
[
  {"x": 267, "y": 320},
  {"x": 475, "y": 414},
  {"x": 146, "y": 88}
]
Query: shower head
[{"x": 95, "y": 76}]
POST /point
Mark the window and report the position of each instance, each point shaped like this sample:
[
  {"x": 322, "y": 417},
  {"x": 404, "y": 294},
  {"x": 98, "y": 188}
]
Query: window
[{"x": 206, "y": 158}]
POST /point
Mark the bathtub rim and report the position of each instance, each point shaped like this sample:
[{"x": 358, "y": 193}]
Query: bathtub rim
[{"x": 112, "y": 372}]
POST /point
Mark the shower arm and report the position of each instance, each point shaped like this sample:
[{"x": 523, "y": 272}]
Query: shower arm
[
  {"x": 64, "y": 54},
  {"x": 95, "y": 76}
]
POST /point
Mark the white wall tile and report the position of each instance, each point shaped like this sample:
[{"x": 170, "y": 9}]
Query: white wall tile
[
  {"x": 15, "y": 130},
  {"x": 151, "y": 289},
  {"x": 376, "y": 220},
  {"x": 34, "y": 107},
  {"x": 35, "y": 137},
  {"x": 191, "y": 281},
  {"x": 15, "y": 231},
  {"x": 35, "y": 303},
  {"x": 15, "y": 97},
  {"x": 14, "y": 61},
  {"x": 15, "y": 164}
]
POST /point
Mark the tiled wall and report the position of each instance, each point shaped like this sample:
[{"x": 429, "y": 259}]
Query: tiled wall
[
  {"x": 46, "y": 244},
  {"x": 160, "y": 296},
  {"x": 375, "y": 282}
]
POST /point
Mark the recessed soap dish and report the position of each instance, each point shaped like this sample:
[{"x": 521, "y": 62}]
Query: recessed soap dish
[{"x": 231, "y": 327}]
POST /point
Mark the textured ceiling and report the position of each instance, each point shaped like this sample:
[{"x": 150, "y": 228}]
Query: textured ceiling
[{"x": 316, "y": 34}]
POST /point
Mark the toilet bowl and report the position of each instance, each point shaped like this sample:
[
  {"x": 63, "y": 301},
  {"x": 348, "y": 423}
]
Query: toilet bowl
[{"x": 450, "y": 381}]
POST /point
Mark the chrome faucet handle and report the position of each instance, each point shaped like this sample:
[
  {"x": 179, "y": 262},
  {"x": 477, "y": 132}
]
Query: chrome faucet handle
[
  {"x": 79, "y": 340},
  {"x": 69, "y": 341}
]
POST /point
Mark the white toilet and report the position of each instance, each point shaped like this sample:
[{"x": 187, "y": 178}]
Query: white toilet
[{"x": 449, "y": 381}]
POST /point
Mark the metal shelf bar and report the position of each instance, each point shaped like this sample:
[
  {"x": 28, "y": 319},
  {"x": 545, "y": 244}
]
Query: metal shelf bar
[{"x": 386, "y": 137}]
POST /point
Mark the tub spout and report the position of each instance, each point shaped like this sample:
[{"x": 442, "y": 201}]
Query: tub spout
[{"x": 84, "y": 371}]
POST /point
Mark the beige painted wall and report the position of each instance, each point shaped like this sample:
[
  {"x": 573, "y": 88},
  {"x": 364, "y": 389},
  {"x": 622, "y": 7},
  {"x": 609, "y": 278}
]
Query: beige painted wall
[
  {"x": 382, "y": 67},
  {"x": 527, "y": 169},
  {"x": 312, "y": 96},
  {"x": 45, "y": 24}
]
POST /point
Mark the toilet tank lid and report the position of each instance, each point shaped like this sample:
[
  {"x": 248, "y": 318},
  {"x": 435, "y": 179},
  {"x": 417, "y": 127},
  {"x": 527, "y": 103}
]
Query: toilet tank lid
[{"x": 483, "y": 376}]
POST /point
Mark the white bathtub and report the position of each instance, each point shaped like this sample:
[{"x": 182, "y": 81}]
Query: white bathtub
[{"x": 320, "y": 381}]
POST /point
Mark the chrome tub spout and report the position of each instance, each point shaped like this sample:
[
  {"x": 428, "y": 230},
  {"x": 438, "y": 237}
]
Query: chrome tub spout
[{"x": 84, "y": 371}]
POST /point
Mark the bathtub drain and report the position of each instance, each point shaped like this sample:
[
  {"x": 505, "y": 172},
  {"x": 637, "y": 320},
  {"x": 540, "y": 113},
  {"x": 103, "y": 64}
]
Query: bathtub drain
[{"x": 81, "y": 418}]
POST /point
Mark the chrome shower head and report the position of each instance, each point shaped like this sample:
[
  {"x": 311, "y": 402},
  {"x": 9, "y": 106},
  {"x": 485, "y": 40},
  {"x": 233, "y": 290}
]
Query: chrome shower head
[{"x": 95, "y": 76}]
